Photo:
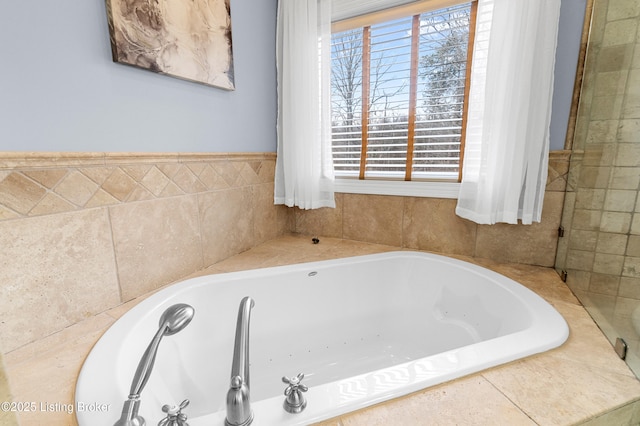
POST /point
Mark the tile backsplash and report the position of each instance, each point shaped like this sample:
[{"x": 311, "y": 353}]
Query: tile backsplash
[
  {"x": 38, "y": 184},
  {"x": 431, "y": 223},
  {"x": 84, "y": 232}
]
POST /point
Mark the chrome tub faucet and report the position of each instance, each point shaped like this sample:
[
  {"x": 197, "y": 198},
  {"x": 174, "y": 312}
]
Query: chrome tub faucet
[{"x": 238, "y": 400}]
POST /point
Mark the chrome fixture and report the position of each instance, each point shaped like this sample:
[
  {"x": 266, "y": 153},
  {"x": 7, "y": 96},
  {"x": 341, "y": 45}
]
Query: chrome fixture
[
  {"x": 175, "y": 416},
  {"x": 238, "y": 401},
  {"x": 172, "y": 320},
  {"x": 621, "y": 348},
  {"x": 294, "y": 402}
]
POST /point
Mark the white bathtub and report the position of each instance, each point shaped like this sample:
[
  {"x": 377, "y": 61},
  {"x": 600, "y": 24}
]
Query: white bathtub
[{"x": 363, "y": 330}]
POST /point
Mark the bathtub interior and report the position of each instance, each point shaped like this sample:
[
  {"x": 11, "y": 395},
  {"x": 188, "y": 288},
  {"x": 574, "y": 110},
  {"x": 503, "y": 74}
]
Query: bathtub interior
[{"x": 329, "y": 321}]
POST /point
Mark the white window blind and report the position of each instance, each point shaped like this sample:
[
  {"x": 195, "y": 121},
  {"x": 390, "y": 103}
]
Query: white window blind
[
  {"x": 398, "y": 91},
  {"x": 344, "y": 9}
]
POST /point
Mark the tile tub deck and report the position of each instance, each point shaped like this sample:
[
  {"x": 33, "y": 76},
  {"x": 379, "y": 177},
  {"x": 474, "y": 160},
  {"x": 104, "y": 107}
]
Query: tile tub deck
[{"x": 583, "y": 382}]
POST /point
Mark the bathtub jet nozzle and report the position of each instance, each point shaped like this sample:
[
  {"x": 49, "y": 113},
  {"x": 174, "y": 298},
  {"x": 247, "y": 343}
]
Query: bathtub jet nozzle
[{"x": 174, "y": 319}]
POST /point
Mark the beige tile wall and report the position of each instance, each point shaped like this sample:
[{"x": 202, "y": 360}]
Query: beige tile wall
[
  {"x": 82, "y": 233},
  {"x": 431, "y": 223}
]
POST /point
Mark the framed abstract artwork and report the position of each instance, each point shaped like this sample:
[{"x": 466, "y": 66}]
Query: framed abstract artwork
[{"x": 188, "y": 39}]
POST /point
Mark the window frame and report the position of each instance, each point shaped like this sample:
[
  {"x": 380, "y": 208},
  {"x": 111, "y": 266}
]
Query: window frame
[{"x": 416, "y": 187}]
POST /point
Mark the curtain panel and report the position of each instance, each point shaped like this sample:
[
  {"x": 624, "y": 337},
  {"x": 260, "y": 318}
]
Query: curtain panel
[
  {"x": 304, "y": 168},
  {"x": 507, "y": 144}
]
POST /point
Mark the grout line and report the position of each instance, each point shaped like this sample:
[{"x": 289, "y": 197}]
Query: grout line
[
  {"x": 113, "y": 249},
  {"x": 508, "y": 398},
  {"x": 200, "y": 239}
]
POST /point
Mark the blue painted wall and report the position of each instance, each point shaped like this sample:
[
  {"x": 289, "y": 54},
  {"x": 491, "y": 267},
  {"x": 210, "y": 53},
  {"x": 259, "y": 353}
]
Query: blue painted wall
[
  {"x": 568, "y": 50},
  {"x": 60, "y": 91}
]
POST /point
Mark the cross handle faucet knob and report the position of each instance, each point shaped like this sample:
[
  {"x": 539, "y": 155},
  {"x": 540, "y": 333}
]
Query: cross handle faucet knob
[
  {"x": 294, "y": 401},
  {"x": 175, "y": 416}
]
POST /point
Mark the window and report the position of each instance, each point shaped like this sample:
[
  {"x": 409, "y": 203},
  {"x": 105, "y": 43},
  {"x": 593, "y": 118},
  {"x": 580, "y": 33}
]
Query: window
[{"x": 398, "y": 96}]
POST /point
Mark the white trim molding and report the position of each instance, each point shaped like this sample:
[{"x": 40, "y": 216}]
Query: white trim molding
[{"x": 401, "y": 188}]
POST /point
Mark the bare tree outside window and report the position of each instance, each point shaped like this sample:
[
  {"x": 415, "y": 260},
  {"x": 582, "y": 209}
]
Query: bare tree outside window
[
  {"x": 443, "y": 68},
  {"x": 346, "y": 99},
  {"x": 439, "y": 87}
]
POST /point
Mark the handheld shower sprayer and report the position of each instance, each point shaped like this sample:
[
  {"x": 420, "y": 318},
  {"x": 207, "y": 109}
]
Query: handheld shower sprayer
[{"x": 173, "y": 319}]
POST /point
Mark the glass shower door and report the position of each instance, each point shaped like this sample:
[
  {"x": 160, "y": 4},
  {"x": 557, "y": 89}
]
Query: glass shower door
[{"x": 600, "y": 250}]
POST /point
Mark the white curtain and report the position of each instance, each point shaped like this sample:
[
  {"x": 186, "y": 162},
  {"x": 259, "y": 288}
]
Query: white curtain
[
  {"x": 507, "y": 144},
  {"x": 304, "y": 169}
]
